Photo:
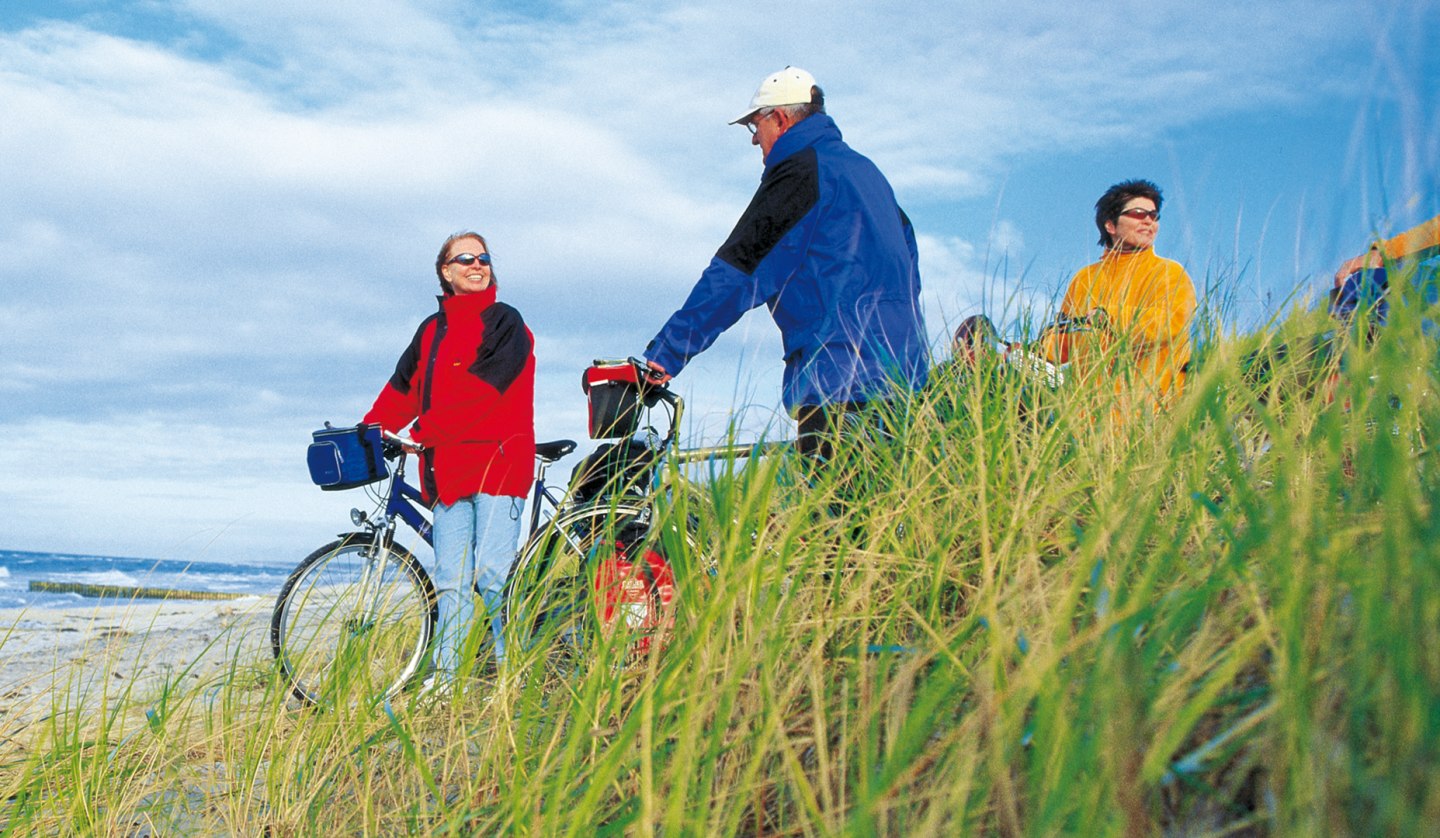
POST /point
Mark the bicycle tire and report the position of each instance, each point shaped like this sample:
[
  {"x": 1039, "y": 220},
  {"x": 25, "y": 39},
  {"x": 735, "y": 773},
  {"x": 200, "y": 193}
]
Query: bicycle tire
[
  {"x": 325, "y": 642},
  {"x": 550, "y": 593}
]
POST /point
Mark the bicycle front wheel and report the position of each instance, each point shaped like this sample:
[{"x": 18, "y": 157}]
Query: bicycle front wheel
[{"x": 353, "y": 621}]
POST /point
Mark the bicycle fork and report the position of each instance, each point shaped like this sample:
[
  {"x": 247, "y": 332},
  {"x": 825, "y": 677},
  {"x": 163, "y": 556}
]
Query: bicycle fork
[{"x": 369, "y": 600}]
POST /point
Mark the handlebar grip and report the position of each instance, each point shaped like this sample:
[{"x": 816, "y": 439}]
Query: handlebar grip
[
  {"x": 398, "y": 444},
  {"x": 649, "y": 390}
]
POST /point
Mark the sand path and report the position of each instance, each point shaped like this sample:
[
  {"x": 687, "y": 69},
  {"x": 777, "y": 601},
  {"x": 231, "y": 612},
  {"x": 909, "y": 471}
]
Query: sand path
[{"x": 53, "y": 658}]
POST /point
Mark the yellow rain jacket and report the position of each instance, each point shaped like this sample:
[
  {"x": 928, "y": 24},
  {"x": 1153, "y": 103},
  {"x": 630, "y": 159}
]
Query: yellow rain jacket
[{"x": 1149, "y": 303}]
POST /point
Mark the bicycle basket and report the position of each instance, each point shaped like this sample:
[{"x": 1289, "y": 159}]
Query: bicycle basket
[
  {"x": 343, "y": 458},
  {"x": 613, "y": 391}
]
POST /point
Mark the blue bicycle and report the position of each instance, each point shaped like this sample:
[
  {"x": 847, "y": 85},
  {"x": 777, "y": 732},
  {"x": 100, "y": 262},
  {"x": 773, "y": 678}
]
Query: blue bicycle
[
  {"x": 356, "y": 616},
  {"x": 359, "y": 612}
]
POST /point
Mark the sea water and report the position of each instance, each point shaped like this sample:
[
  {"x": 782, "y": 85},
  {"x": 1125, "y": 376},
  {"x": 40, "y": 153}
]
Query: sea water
[{"x": 17, "y": 568}]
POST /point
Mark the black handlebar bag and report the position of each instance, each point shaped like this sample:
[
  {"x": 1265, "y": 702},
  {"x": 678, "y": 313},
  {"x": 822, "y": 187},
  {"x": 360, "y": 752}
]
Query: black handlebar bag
[{"x": 612, "y": 389}]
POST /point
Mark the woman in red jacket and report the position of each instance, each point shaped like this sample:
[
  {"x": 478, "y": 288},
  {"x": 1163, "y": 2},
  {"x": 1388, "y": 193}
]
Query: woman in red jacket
[{"x": 467, "y": 382}]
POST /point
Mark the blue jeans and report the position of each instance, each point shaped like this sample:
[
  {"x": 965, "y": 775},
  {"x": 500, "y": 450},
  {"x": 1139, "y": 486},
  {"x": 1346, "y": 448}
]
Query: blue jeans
[{"x": 474, "y": 540}]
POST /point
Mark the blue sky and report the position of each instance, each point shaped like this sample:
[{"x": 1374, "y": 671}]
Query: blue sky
[{"x": 216, "y": 218}]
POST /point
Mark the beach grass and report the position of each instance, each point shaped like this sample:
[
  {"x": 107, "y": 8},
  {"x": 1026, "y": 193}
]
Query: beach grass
[{"x": 1010, "y": 620}]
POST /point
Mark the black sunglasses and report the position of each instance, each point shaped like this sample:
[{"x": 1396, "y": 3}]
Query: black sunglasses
[
  {"x": 465, "y": 260},
  {"x": 1137, "y": 214}
]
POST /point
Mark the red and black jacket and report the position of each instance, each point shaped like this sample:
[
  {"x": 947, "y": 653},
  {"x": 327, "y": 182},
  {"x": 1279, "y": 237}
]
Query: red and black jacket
[{"x": 468, "y": 377}]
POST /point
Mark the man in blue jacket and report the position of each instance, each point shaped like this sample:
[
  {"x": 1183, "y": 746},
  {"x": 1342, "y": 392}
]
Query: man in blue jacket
[{"x": 825, "y": 246}]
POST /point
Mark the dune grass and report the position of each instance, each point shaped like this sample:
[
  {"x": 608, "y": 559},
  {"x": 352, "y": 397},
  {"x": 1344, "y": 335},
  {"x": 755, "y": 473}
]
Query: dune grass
[{"x": 1220, "y": 621}]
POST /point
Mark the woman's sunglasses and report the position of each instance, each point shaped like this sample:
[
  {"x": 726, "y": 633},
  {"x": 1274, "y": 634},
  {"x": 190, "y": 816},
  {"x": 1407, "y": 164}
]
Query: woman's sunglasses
[
  {"x": 465, "y": 260},
  {"x": 1137, "y": 214}
]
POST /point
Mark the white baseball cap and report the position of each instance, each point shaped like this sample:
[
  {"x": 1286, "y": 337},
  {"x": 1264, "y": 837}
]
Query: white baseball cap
[{"x": 790, "y": 86}]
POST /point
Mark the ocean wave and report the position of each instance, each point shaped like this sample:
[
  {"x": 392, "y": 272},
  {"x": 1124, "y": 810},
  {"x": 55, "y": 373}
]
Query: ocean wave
[{"x": 104, "y": 577}]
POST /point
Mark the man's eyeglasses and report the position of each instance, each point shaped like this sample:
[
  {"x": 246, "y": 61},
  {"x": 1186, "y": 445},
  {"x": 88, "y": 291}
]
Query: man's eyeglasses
[
  {"x": 753, "y": 122},
  {"x": 465, "y": 260},
  {"x": 1137, "y": 213}
]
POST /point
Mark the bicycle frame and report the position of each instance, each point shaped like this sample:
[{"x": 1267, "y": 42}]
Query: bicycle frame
[
  {"x": 538, "y": 493},
  {"x": 401, "y": 503},
  {"x": 403, "y": 499}
]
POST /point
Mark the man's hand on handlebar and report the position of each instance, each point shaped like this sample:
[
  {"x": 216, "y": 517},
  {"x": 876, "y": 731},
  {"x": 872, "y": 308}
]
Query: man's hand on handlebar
[{"x": 656, "y": 374}]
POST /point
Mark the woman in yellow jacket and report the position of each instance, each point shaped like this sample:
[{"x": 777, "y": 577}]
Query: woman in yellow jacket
[{"x": 1148, "y": 303}]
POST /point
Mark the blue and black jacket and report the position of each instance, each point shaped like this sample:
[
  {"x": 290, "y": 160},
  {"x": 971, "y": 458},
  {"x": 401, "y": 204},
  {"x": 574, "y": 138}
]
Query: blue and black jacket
[{"x": 826, "y": 247}]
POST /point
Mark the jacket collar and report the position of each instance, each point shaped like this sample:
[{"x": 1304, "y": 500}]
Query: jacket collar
[
  {"x": 1116, "y": 254},
  {"x": 471, "y": 303},
  {"x": 807, "y": 132}
]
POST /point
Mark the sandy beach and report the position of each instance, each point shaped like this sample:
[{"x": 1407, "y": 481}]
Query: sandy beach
[{"x": 92, "y": 654}]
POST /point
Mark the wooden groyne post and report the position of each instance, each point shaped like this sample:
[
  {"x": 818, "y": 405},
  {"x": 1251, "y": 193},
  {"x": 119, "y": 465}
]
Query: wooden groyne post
[{"x": 125, "y": 591}]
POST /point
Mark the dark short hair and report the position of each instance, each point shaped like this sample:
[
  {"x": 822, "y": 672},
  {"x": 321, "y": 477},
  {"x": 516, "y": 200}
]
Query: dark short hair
[
  {"x": 445, "y": 251},
  {"x": 1108, "y": 208}
]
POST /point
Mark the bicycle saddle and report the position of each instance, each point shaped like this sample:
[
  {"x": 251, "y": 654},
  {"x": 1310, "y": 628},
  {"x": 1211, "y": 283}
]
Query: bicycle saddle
[{"x": 554, "y": 449}]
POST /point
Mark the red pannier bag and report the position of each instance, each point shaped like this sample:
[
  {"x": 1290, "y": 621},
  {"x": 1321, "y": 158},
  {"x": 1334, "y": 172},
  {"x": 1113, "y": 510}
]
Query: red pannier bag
[{"x": 636, "y": 596}]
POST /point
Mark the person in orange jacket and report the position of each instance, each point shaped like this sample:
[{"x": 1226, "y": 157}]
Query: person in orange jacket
[
  {"x": 1146, "y": 303},
  {"x": 1420, "y": 241}
]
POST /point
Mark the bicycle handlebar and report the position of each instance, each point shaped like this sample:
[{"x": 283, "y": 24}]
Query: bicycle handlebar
[
  {"x": 397, "y": 445},
  {"x": 650, "y": 393},
  {"x": 1098, "y": 320}
]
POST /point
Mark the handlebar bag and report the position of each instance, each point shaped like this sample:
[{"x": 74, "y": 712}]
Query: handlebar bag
[
  {"x": 613, "y": 391},
  {"x": 343, "y": 458}
]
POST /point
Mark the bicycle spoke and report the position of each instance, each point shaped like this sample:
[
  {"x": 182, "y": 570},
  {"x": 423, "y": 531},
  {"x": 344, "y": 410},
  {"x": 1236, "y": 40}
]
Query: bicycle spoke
[
  {"x": 593, "y": 578},
  {"x": 353, "y": 621}
]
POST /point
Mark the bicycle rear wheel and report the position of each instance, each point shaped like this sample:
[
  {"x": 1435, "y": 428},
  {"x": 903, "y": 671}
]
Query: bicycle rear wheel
[
  {"x": 562, "y": 591},
  {"x": 354, "y": 620}
]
